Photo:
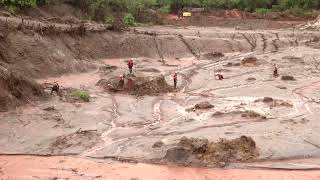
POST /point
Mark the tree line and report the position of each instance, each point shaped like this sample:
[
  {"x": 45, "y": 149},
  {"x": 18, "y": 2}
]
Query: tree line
[{"x": 102, "y": 10}]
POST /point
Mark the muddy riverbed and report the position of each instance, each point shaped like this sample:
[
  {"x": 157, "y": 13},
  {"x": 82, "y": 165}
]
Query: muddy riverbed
[{"x": 280, "y": 116}]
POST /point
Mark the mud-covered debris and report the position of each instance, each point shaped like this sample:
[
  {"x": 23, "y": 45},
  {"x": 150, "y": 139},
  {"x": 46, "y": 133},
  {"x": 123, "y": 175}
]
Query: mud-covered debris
[
  {"x": 281, "y": 87},
  {"x": 158, "y": 144},
  {"x": 267, "y": 99},
  {"x": 294, "y": 59},
  {"x": 212, "y": 55},
  {"x": 251, "y": 79},
  {"x": 50, "y": 108},
  {"x": 154, "y": 70},
  {"x": 249, "y": 61},
  {"x": 274, "y": 102},
  {"x": 202, "y": 152},
  {"x": 252, "y": 114},
  {"x": 230, "y": 64},
  {"x": 287, "y": 78},
  {"x": 204, "y": 105},
  {"x": 218, "y": 113},
  {"x": 137, "y": 85}
]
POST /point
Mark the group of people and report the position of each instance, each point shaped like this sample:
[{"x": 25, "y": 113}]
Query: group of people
[{"x": 56, "y": 87}]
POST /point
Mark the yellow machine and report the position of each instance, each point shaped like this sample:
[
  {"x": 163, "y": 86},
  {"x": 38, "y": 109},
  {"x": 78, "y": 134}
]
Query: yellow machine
[{"x": 186, "y": 14}]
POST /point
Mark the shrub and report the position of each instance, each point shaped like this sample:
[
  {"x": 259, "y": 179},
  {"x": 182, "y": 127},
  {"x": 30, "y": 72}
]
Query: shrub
[
  {"x": 262, "y": 11},
  {"x": 165, "y": 9},
  {"x": 81, "y": 94},
  {"x": 129, "y": 20}
]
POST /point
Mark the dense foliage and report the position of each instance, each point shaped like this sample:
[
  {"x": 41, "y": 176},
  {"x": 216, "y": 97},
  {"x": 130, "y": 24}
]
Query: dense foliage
[{"x": 106, "y": 10}]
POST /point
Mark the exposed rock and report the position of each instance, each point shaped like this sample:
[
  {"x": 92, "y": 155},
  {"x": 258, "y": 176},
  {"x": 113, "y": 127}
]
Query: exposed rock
[
  {"x": 158, "y": 144},
  {"x": 249, "y": 61},
  {"x": 203, "y": 105},
  {"x": 287, "y": 78}
]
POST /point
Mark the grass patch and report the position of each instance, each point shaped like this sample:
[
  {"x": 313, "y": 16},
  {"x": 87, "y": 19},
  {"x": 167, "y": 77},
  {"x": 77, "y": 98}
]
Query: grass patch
[{"x": 81, "y": 94}]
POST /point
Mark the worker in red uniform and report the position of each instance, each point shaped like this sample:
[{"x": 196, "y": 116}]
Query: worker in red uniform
[
  {"x": 175, "y": 80},
  {"x": 130, "y": 65}
]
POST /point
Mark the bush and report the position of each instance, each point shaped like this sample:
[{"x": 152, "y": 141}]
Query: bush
[
  {"x": 81, "y": 94},
  {"x": 262, "y": 11},
  {"x": 129, "y": 20},
  {"x": 164, "y": 9}
]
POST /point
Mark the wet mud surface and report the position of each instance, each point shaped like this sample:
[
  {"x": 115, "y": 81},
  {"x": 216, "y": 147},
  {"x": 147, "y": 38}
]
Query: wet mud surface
[
  {"x": 83, "y": 169},
  {"x": 280, "y": 116}
]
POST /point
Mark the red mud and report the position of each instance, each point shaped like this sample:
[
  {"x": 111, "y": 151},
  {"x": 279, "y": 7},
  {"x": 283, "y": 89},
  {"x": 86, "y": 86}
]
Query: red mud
[{"x": 26, "y": 167}]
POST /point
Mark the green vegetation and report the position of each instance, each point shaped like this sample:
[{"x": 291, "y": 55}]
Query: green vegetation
[
  {"x": 14, "y": 5},
  {"x": 129, "y": 20},
  {"x": 130, "y": 10},
  {"x": 81, "y": 94}
]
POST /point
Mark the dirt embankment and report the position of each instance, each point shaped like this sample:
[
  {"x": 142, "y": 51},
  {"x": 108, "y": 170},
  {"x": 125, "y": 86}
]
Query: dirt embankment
[{"x": 15, "y": 89}]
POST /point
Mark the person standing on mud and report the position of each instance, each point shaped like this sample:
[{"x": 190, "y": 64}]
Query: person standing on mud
[
  {"x": 121, "y": 81},
  {"x": 275, "y": 71},
  {"x": 55, "y": 88},
  {"x": 175, "y": 80},
  {"x": 130, "y": 65},
  {"x": 220, "y": 76}
]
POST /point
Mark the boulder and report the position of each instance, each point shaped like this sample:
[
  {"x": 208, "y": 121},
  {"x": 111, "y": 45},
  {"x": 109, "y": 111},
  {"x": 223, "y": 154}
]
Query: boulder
[
  {"x": 203, "y": 105},
  {"x": 249, "y": 61},
  {"x": 287, "y": 78},
  {"x": 158, "y": 144}
]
